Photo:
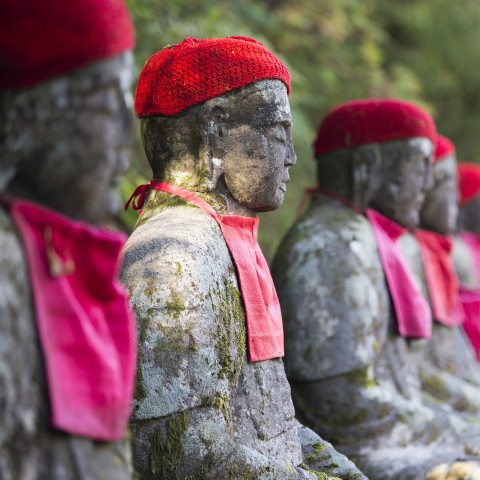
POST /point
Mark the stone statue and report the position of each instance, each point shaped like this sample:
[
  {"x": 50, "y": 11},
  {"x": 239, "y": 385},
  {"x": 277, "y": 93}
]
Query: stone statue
[
  {"x": 466, "y": 250},
  {"x": 448, "y": 368},
  {"x": 212, "y": 399},
  {"x": 66, "y": 122},
  {"x": 350, "y": 371}
]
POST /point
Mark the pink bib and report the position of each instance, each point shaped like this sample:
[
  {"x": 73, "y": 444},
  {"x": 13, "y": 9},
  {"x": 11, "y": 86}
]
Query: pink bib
[
  {"x": 441, "y": 278},
  {"x": 262, "y": 308},
  {"x": 414, "y": 317},
  {"x": 86, "y": 329},
  {"x": 413, "y": 314},
  {"x": 471, "y": 298}
]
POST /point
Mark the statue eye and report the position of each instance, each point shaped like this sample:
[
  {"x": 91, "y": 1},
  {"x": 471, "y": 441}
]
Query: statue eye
[{"x": 279, "y": 134}]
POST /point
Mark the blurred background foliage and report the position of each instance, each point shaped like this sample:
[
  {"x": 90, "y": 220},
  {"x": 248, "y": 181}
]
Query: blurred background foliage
[{"x": 427, "y": 51}]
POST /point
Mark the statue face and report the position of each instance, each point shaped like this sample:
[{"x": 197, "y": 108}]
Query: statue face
[
  {"x": 105, "y": 125},
  {"x": 70, "y": 137},
  {"x": 440, "y": 209},
  {"x": 405, "y": 176},
  {"x": 257, "y": 149},
  {"x": 470, "y": 215}
]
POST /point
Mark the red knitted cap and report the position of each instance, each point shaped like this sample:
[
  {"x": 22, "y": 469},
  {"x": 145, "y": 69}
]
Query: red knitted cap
[
  {"x": 443, "y": 147},
  {"x": 183, "y": 75},
  {"x": 40, "y": 39},
  {"x": 468, "y": 181},
  {"x": 360, "y": 122}
]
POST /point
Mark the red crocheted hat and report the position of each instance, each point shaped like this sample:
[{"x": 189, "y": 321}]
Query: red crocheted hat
[
  {"x": 443, "y": 147},
  {"x": 40, "y": 39},
  {"x": 468, "y": 181},
  {"x": 360, "y": 122},
  {"x": 180, "y": 76}
]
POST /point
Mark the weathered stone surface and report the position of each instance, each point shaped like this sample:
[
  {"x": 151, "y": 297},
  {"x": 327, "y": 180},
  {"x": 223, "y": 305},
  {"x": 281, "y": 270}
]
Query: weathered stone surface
[
  {"x": 351, "y": 376},
  {"x": 201, "y": 409},
  {"x": 29, "y": 449},
  {"x": 447, "y": 365},
  {"x": 56, "y": 157}
]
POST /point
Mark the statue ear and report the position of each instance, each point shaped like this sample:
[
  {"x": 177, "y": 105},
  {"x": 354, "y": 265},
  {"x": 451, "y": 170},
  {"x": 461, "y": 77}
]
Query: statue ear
[
  {"x": 213, "y": 116},
  {"x": 365, "y": 173}
]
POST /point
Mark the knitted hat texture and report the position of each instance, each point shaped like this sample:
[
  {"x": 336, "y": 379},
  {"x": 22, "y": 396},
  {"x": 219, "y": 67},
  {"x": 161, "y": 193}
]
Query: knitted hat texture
[
  {"x": 443, "y": 147},
  {"x": 360, "y": 122},
  {"x": 468, "y": 181},
  {"x": 40, "y": 39},
  {"x": 183, "y": 75}
]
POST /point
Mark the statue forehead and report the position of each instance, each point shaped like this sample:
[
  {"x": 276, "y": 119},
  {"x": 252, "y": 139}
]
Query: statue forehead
[
  {"x": 262, "y": 103},
  {"x": 421, "y": 145},
  {"x": 446, "y": 167}
]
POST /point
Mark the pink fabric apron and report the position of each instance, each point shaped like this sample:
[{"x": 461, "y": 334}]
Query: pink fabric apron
[
  {"x": 413, "y": 313},
  {"x": 86, "y": 329},
  {"x": 414, "y": 317},
  {"x": 441, "y": 278},
  {"x": 471, "y": 298},
  {"x": 262, "y": 308}
]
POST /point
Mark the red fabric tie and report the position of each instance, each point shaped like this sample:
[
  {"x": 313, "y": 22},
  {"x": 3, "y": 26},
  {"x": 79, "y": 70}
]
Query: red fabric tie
[
  {"x": 262, "y": 308},
  {"x": 441, "y": 278},
  {"x": 413, "y": 314},
  {"x": 471, "y": 298},
  {"x": 414, "y": 317},
  {"x": 86, "y": 329}
]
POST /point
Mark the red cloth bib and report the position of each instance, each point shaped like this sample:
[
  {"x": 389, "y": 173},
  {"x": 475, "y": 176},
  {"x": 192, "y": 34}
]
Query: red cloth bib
[
  {"x": 441, "y": 278},
  {"x": 262, "y": 308},
  {"x": 86, "y": 329},
  {"x": 414, "y": 317},
  {"x": 471, "y": 298},
  {"x": 413, "y": 314}
]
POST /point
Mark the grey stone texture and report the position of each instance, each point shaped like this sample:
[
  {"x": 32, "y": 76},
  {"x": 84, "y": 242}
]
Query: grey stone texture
[
  {"x": 354, "y": 380},
  {"x": 448, "y": 369},
  {"x": 351, "y": 378},
  {"x": 53, "y": 154},
  {"x": 29, "y": 448},
  {"x": 201, "y": 409}
]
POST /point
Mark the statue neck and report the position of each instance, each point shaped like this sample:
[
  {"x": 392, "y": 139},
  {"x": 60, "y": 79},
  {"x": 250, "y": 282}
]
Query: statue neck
[{"x": 210, "y": 188}]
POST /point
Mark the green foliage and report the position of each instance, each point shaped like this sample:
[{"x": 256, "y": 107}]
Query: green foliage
[{"x": 419, "y": 50}]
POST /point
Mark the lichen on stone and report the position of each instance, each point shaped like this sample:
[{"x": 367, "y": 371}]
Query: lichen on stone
[
  {"x": 175, "y": 305},
  {"x": 231, "y": 330},
  {"x": 166, "y": 455}
]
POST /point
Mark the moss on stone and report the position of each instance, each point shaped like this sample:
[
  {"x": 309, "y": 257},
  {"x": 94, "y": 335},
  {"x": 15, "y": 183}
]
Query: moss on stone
[
  {"x": 150, "y": 289},
  {"x": 166, "y": 454},
  {"x": 221, "y": 402},
  {"x": 175, "y": 306},
  {"x": 192, "y": 345},
  {"x": 362, "y": 376},
  {"x": 435, "y": 385},
  {"x": 178, "y": 271},
  {"x": 140, "y": 390},
  {"x": 231, "y": 330}
]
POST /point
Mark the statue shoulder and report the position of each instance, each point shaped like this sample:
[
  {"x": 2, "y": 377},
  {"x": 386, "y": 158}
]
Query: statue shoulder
[
  {"x": 190, "y": 318},
  {"x": 332, "y": 292},
  {"x": 464, "y": 264}
]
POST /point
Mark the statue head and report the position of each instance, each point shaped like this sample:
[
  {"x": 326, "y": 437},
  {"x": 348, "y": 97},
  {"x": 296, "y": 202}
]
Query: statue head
[
  {"x": 215, "y": 119},
  {"x": 469, "y": 192},
  {"x": 67, "y": 104},
  {"x": 440, "y": 209},
  {"x": 378, "y": 153}
]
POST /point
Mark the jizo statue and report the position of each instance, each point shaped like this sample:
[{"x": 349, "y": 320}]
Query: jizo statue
[
  {"x": 66, "y": 335},
  {"x": 447, "y": 365},
  {"x": 348, "y": 299},
  {"x": 466, "y": 251},
  {"x": 212, "y": 399}
]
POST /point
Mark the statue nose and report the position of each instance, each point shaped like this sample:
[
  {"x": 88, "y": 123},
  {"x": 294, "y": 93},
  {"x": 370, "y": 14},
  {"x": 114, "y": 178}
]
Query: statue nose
[{"x": 291, "y": 157}]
